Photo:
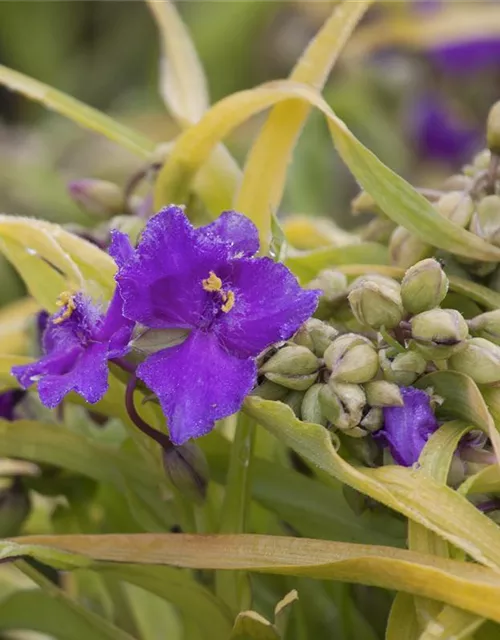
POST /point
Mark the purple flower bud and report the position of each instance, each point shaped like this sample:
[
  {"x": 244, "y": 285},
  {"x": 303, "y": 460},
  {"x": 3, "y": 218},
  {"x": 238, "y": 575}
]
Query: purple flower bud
[{"x": 406, "y": 429}]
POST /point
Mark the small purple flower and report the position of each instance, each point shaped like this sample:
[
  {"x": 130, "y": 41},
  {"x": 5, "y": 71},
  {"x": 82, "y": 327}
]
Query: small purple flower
[
  {"x": 234, "y": 305},
  {"x": 441, "y": 134},
  {"x": 8, "y": 402},
  {"x": 406, "y": 429},
  {"x": 463, "y": 55},
  {"x": 78, "y": 342}
]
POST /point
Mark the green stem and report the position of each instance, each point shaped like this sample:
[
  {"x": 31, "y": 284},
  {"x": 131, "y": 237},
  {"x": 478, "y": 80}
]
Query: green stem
[
  {"x": 233, "y": 586},
  {"x": 391, "y": 341}
]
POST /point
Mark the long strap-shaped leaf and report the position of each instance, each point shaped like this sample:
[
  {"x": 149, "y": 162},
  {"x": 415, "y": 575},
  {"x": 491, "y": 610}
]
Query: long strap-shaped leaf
[
  {"x": 77, "y": 111},
  {"x": 398, "y": 199},
  {"x": 265, "y": 171},
  {"x": 465, "y": 585},
  {"x": 408, "y": 491}
]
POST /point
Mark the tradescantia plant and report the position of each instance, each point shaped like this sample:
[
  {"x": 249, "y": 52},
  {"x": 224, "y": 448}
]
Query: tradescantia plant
[{"x": 216, "y": 435}]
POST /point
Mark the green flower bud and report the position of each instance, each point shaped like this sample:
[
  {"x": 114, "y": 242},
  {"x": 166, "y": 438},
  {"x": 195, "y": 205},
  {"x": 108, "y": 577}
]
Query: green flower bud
[
  {"x": 294, "y": 367},
  {"x": 439, "y": 333},
  {"x": 377, "y": 230},
  {"x": 332, "y": 284},
  {"x": 294, "y": 400},
  {"x": 487, "y": 325},
  {"x": 480, "y": 360},
  {"x": 424, "y": 286},
  {"x": 270, "y": 391},
  {"x": 316, "y": 335},
  {"x": 99, "y": 198},
  {"x": 486, "y": 221},
  {"x": 352, "y": 358},
  {"x": 149, "y": 341},
  {"x": 291, "y": 360},
  {"x": 131, "y": 225},
  {"x": 407, "y": 367},
  {"x": 311, "y": 407},
  {"x": 457, "y": 206},
  {"x": 297, "y": 383},
  {"x": 364, "y": 203},
  {"x": 493, "y": 129},
  {"x": 14, "y": 509},
  {"x": 380, "y": 393},
  {"x": 351, "y": 398},
  {"x": 406, "y": 249},
  {"x": 383, "y": 282},
  {"x": 187, "y": 469},
  {"x": 376, "y": 305},
  {"x": 373, "y": 420},
  {"x": 481, "y": 160},
  {"x": 458, "y": 182}
]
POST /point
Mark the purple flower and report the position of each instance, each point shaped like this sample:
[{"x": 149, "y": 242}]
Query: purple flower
[
  {"x": 233, "y": 305},
  {"x": 8, "y": 402},
  {"x": 78, "y": 342},
  {"x": 406, "y": 429},
  {"x": 440, "y": 133},
  {"x": 467, "y": 56}
]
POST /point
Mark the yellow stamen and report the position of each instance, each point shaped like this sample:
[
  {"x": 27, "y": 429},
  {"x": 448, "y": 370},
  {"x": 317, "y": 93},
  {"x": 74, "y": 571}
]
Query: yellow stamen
[
  {"x": 68, "y": 301},
  {"x": 228, "y": 301},
  {"x": 212, "y": 283}
]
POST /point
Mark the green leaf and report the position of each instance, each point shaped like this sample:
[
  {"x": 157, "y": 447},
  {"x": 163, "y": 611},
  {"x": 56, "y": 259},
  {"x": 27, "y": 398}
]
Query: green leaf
[
  {"x": 250, "y": 625},
  {"x": 183, "y": 85},
  {"x": 57, "y": 445},
  {"x": 462, "y": 584},
  {"x": 76, "y": 111},
  {"x": 184, "y": 592},
  {"x": 413, "y": 494},
  {"x": 403, "y": 622},
  {"x": 265, "y": 171},
  {"x": 462, "y": 400},
  {"x": 308, "y": 264},
  {"x": 35, "y": 610},
  {"x": 398, "y": 199}
]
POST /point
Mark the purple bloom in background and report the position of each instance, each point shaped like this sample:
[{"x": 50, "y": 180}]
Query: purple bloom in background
[
  {"x": 78, "y": 342},
  {"x": 233, "y": 305},
  {"x": 467, "y": 56},
  {"x": 8, "y": 402},
  {"x": 441, "y": 134},
  {"x": 406, "y": 429}
]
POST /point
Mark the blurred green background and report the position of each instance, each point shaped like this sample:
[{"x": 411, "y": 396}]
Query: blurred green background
[{"x": 105, "y": 53}]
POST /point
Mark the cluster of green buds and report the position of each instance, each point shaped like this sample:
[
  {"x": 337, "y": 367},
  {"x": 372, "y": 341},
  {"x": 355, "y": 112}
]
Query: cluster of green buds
[
  {"x": 344, "y": 378},
  {"x": 469, "y": 199}
]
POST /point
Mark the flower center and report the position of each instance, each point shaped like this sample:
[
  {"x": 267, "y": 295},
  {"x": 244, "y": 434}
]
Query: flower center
[
  {"x": 214, "y": 284},
  {"x": 68, "y": 301}
]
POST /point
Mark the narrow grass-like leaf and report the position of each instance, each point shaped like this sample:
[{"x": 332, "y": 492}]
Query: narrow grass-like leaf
[
  {"x": 265, "y": 171},
  {"x": 398, "y": 199},
  {"x": 403, "y": 622},
  {"x": 465, "y": 585},
  {"x": 462, "y": 400},
  {"x": 308, "y": 264},
  {"x": 406, "y": 490},
  {"x": 76, "y": 111},
  {"x": 183, "y": 85}
]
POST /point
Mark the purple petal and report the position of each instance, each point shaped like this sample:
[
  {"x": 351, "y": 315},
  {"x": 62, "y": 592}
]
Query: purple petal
[
  {"x": 88, "y": 376},
  {"x": 161, "y": 284},
  {"x": 120, "y": 248},
  {"x": 269, "y": 306},
  {"x": 407, "y": 428},
  {"x": 116, "y": 329},
  {"x": 197, "y": 383},
  {"x": 8, "y": 402},
  {"x": 58, "y": 363},
  {"x": 467, "y": 56},
  {"x": 440, "y": 133},
  {"x": 237, "y": 232}
]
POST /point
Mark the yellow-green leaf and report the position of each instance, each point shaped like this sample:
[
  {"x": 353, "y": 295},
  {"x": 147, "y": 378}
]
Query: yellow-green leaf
[
  {"x": 398, "y": 199},
  {"x": 76, "y": 111},
  {"x": 265, "y": 171},
  {"x": 406, "y": 490},
  {"x": 462, "y": 584}
]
